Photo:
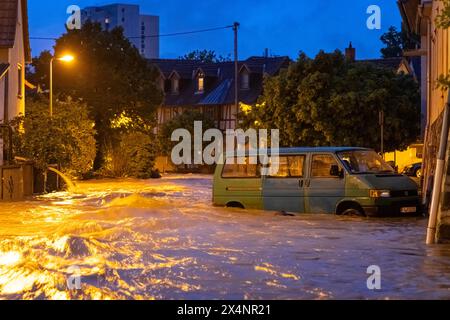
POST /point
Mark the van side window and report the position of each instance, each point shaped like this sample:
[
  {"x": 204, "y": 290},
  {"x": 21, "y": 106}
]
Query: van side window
[
  {"x": 291, "y": 167},
  {"x": 241, "y": 168},
  {"x": 321, "y": 166}
]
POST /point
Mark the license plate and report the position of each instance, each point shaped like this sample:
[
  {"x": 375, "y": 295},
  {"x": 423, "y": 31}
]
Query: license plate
[{"x": 408, "y": 210}]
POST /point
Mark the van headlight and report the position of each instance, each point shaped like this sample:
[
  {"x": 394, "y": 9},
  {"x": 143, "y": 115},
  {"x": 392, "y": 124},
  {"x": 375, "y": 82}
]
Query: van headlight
[{"x": 380, "y": 194}]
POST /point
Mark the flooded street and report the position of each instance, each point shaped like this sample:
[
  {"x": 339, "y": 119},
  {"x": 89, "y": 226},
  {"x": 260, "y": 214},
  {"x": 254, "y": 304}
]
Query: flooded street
[{"x": 162, "y": 239}]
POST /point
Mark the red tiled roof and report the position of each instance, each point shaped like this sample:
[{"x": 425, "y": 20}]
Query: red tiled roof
[{"x": 8, "y": 24}]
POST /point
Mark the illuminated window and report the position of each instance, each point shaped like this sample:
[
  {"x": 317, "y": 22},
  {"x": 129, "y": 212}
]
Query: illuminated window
[
  {"x": 245, "y": 80},
  {"x": 19, "y": 80},
  {"x": 201, "y": 83}
]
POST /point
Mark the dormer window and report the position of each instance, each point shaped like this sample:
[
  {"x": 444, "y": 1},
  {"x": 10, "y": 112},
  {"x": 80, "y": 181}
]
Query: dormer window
[
  {"x": 175, "y": 85},
  {"x": 245, "y": 80},
  {"x": 201, "y": 83}
]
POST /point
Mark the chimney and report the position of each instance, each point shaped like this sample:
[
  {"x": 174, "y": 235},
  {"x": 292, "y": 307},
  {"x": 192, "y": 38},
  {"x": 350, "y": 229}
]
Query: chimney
[{"x": 350, "y": 53}]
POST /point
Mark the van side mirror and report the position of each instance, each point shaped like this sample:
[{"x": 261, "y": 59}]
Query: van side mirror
[{"x": 335, "y": 171}]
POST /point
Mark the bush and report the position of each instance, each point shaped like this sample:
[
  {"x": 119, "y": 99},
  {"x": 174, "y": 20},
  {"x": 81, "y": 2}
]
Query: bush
[
  {"x": 66, "y": 139},
  {"x": 132, "y": 155}
]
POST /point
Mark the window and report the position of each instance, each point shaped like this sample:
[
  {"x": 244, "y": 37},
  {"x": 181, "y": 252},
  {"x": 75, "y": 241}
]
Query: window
[
  {"x": 175, "y": 85},
  {"x": 19, "y": 80},
  {"x": 419, "y": 152},
  {"x": 290, "y": 167},
  {"x": 201, "y": 83},
  {"x": 321, "y": 166},
  {"x": 364, "y": 162},
  {"x": 234, "y": 169},
  {"x": 245, "y": 80}
]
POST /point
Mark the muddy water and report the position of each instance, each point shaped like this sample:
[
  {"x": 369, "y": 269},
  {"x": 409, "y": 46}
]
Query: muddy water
[{"x": 163, "y": 240}]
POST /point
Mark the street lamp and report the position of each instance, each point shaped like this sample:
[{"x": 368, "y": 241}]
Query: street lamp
[{"x": 66, "y": 58}]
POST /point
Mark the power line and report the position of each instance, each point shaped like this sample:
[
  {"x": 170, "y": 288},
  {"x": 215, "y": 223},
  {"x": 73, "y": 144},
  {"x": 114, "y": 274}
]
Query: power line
[{"x": 155, "y": 36}]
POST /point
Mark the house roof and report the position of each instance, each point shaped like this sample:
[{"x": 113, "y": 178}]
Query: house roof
[
  {"x": 8, "y": 23},
  {"x": 390, "y": 63},
  {"x": 219, "y": 82},
  {"x": 409, "y": 11},
  {"x": 3, "y": 68},
  {"x": 412, "y": 64}
]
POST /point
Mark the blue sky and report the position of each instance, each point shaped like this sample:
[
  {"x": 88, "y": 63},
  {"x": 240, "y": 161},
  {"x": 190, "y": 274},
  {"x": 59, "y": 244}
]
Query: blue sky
[{"x": 284, "y": 26}]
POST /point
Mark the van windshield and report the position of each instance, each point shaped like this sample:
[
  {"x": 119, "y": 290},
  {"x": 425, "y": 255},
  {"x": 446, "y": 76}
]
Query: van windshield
[{"x": 364, "y": 161}]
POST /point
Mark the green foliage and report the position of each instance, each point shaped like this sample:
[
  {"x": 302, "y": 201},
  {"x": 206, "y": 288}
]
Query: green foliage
[
  {"x": 396, "y": 42},
  {"x": 329, "y": 101},
  {"x": 443, "y": 19},
  {"x": 443, "y": 22},
  {"x": 184, "y": 121},
  {"x": 132, "y": 156},
  {"x": 66, "y": 139},
  {"x": 205, "y": 56},
  {"x": 108, "y": 74}
]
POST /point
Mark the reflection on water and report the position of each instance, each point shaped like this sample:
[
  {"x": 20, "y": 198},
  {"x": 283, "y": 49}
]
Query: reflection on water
[{"x": 163, "y": 240}]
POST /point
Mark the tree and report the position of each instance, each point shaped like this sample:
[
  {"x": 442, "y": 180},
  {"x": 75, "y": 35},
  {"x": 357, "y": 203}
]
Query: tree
[
  {"x": 205, "y": 56},
  {"x": 330, "y": 101},
  {"x": 66, "y": 139},
  {"x": 186, "y": 120},
  {"x": 396, "y": 42},
  {"x": 108, "y": 75},
  {"x": 443, "y": 22}
]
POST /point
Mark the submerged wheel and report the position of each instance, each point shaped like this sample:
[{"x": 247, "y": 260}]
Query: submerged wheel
[
  {"x": 237, "y": 205},
  {"x": 353, "y": 212}
]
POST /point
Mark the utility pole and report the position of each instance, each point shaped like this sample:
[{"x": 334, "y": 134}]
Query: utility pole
[
  {"x": 236, "y": 70},
  {"x": 438, "y": 177},
  {"x": 382, "y": 132}
]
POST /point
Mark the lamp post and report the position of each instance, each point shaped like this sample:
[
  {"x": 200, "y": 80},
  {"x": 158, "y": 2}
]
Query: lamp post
[{"x": 65, "y": 58}]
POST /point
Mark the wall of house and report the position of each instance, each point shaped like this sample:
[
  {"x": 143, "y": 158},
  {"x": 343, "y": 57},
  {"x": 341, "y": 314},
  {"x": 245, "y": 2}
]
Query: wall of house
[
  {"x": 437, "y": 44},
  {"x": 17, "y": 60},
  {"x": 149, "y": 46},
  {"x": 128, "y": 17},
  {"x": 15, "y": 56},
  {"x": 2, "y": 108}
]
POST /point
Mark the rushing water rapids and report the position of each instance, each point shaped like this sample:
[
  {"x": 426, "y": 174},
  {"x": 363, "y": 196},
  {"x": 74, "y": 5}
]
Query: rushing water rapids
[{"x": 162, "y": 239}]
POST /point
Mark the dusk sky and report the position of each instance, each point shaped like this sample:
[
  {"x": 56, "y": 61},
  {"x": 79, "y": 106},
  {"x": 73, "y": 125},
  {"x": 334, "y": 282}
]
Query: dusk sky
[{"x": 284, "y": 26}]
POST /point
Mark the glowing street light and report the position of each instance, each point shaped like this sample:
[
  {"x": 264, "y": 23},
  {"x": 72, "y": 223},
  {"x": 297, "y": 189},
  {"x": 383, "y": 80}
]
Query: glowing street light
[{"x": 66, "y": 58}]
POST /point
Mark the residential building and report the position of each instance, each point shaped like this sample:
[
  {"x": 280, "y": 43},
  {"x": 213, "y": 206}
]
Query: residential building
[
  {"x": 209, "y": 87},
  {"x": 420, "y": 17},
  {"x": 141, "y": 30},
  {"x": 14, "y": 54}
]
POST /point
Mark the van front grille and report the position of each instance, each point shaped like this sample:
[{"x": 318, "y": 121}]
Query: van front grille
[{"x": 404, "y": 193}]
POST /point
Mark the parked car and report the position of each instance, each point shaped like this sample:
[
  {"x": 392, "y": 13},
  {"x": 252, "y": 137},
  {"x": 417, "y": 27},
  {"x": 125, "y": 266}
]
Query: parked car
[
  {"x": 342, "y": 181},
  {"x": 414, "y": 170}
]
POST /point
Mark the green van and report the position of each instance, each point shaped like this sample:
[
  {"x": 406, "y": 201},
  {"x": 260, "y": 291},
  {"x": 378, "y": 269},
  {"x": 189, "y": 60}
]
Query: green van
[{"x": 343, "y": 181}]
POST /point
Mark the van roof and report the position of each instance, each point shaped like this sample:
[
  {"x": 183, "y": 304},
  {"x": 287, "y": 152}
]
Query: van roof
[{"x": 284, "y": 151}]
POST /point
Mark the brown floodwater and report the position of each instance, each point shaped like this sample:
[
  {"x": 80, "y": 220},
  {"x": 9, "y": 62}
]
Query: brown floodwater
[{"x": 163, "y": 239}]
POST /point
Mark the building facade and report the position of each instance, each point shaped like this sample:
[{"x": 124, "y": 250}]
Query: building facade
[
  {"x": 420, "y": 17},
  {"x": 209, "y": 87},
  {"x": 141, "y": 30},
  {"x": 14, "y": 54}
]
